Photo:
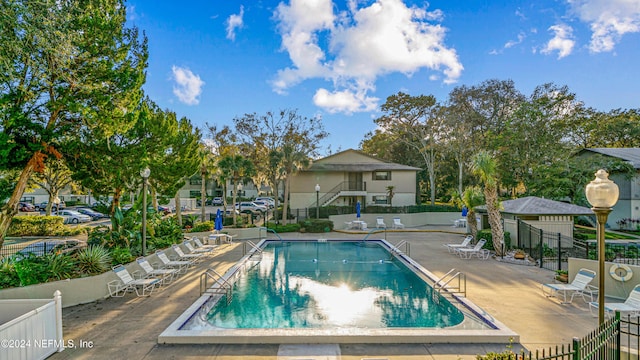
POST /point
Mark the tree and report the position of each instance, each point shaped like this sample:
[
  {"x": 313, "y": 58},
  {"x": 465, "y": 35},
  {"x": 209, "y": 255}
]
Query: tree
[
  {"x": 55, "y": 177},
  {"x": 235, "y": 168},
  {"x": 390, "y": 194},
  {"x": 472, "y": 197},
  {"x": 66, "y": 65},
  {"x": 414, "y": 121},
  {"x": 484, "y": 166}
]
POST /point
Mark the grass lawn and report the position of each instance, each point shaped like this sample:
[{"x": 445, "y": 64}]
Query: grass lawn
[{"x": 591, "y": 234}]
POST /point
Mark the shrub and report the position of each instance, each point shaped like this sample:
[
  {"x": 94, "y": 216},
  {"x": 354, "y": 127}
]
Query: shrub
[
  {"x": 93, "y": 260},
  {"x": 486, "y": 234},
  {"x": 279, "y": 228},
  {"x": 31, "y": 269},
  {"x": 316, "y": 225},
  {"x": 8, "y": 275},
  {"x": 202, "y": 226},
  {"x": 59, "y": 266},
  {"x": 37, "y": 225},
  {"x": 120, "y": 255}
]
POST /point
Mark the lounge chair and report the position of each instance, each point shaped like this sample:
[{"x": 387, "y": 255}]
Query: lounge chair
[
  {"x": 125, "y": 283},
  {"x": 397, "y": 224},
  {"x": 180, "y": 265},
  {"x": 193, "y": 250},
  {"x": 200, "y": 245},
  {"x": 477, "y": 251},
  {"x": 579, "y": 286},
  {"x": 380, "y": 223},
  {"x": 631, "y": 305},
  {"x": 148, "y": 271},
  {"x": 464, "y": 244},
  {"x": 182, "y": 256}
]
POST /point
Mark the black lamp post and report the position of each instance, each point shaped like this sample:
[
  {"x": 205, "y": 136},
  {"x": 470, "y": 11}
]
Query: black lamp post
[
  {"x": 602, "y": 194},
  {"x": 145, "y": 175},
  {"x": 317, "y": 201}
]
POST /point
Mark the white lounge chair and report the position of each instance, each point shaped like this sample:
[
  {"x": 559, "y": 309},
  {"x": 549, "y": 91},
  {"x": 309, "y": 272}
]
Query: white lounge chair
[
  {"x": 397, "y": 224},
  {"x": 148, "y": 271},
  {"x": 464, "y": 244},
  {"x": 477, "y": 251},
  {"x": 200, "y": 245},
  {"x": 193, "y": 250},
  {"x": 631, "y": 305},
  {"x": 380, "y": 223},
  {"x": 579, "y": 286},
  {"x": 182, "y": 256},
  {"x": 181, "y": 265},
  {"x": 125, "y": 283}
]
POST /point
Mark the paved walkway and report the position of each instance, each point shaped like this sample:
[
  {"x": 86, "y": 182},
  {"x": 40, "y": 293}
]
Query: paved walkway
[{"x": 127, "y": 328}]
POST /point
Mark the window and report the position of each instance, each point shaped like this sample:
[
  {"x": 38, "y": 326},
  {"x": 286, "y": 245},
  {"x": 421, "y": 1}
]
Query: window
[
  {"x": 380, "y": 199},
  {"x": 382, "y": 175},
  {"x": 195, "y": 181}
]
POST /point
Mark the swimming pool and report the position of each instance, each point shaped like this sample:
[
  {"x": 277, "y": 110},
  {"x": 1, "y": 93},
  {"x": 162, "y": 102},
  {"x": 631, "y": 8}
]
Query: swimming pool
[{"x": 331, "y": 292}]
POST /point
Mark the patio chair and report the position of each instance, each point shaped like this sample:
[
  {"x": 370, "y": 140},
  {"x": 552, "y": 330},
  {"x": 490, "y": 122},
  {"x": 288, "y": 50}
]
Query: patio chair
[
  {"x": 182, "y": 256},
  {"x": 464, "y": 244},
  {"x": 125, "y": 283},
  {"x": 199, "y": 250},
  {"x": 380, "y": 223},
  {"x": 397, "y": 224},
  {"x": 181, "y": 265},
  {"x": 579, "y": 286},
  {"x": 631, "y": 305},
  {"x": 477, "y": 251},
  {"x": 148, "y": 271},
  {"x": 200, "y": 245}
]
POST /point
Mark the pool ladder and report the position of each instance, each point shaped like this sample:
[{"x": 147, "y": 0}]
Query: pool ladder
[
  {"x": 255, "y": 249},
  {"x": 446, "y": 279},
  {"x": 407, "y": 247},
  {"x": 219, "y": 285}
]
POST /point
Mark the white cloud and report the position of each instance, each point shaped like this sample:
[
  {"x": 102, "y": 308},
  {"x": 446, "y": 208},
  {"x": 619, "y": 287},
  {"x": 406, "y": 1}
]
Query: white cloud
[
  {"x": 363, "y": 44},
  {"x": 608, "y": 19},
  {"x": 235, "y": 22},
  {"x": 562, "y": 41},
  {"x": 512, "y": 43},
  {"x": 188, "y": 86}
]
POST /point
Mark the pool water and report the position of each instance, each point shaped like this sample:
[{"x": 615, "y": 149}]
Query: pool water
[{"x": 320, "y": 285}]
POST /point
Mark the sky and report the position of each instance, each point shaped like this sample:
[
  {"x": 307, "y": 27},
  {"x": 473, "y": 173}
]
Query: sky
[{"x": 212, "y": 61}]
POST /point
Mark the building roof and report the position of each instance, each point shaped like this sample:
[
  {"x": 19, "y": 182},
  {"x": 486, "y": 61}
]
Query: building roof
[
  {"x": 532, "y": 205},
  {"x": 631, "y": 155},
  {"x": 364, "y": 163}
]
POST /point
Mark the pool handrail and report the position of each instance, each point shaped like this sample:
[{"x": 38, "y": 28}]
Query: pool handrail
[{"x": 273, "y": 231}]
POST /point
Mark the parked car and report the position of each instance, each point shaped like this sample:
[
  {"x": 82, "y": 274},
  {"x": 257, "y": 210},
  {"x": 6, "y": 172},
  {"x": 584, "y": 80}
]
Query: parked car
[
  {"x": 73, "y": 217},
  {"x": 92, "y": 213},
  {"x": 265, "y": 204},
  {"x": 26, "y": 207},
  {"x": 268, "y": 200},
  {"x": 54, "y": 246},
  {"x": 250, "y": 207},
  {"x": 229, "y": 212},
  {"x": 43, "y": 206},
  {"x": 164, "y": 209},
  {"x": 217, "y": 201}
]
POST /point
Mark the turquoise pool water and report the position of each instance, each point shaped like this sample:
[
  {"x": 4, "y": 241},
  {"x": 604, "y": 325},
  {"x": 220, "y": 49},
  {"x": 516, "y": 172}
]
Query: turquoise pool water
[{"x": 309, "y": 284}]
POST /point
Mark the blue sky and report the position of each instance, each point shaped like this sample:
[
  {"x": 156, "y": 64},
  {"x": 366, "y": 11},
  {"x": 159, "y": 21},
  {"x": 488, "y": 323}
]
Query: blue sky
[{"x": 215, "y": 60}]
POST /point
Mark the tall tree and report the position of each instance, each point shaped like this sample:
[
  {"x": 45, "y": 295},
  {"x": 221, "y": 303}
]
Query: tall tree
[
  {"x": 472, "y": 197},
  {"x": 65, "y": 65},
  {"x": 235, "y": 168},
  {"x": 485, "y": 167},
  {"x": 415, "y": 121},
  {"x": 55, "y": 176}
]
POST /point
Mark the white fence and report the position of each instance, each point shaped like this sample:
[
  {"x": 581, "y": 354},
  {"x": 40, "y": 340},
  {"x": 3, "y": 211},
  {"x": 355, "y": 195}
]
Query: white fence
[{"x": 31, "y": 328}]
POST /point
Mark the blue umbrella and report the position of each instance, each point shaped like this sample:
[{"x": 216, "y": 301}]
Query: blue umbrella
[
  {"x": 464, "y": 211},
  {"x": 358, "y": 209},
  {"x": 218, "y": 222}
]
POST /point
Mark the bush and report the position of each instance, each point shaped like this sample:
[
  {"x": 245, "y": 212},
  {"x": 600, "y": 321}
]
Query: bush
[
  {"x": 120, "y": 255},
  {"x": 316, "y": 225},
  {"x": 279, "y": 228},
  {"x": 486, "y": 234},
  {"x": 8, "y": 275},
  {"x": 37, "y": 225},
  {"x": 93, "y": 260},
  {"x": 202, "y": 226}
]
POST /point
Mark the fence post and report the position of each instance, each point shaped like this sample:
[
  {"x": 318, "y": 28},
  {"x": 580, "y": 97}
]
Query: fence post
[
  {"x": 57, "y": 298},
  {"x": 560, "y": 251},
  {"x": 541, "y": 247},
  {"x": 618, "y": 330},
  {"x": 576, "y": 349}
]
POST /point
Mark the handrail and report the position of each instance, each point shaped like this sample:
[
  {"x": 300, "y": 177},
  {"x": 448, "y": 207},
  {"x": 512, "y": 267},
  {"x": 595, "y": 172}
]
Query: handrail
[
  {"x": 253, "y": 246},
  {"x": 343, "y": 186},
  {"x": 462, "y": 283},
  {"x": 273, "y": 231},
  {"x": 219, "y": 286},
  {"x": 407, "y": 247}
]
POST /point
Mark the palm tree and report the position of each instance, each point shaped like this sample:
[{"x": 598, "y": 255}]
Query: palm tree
[
  {"x": 235, "y": 168},
  {"x": 485, "y": 167},
  {"x": 293, "y": 160},
  {"x": 472, "y": 197},
  {"x": 390, "y": 194}
]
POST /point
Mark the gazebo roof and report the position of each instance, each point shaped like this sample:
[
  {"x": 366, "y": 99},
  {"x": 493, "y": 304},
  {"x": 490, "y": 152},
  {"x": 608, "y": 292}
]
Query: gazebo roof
[{"x": 532, "y": 205}]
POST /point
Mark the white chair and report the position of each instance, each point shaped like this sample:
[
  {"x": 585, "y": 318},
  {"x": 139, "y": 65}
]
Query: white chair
[
  {"x": 631, "y": 305},
  {"x": 125, "y": 283},
  {"x": 193, "y": 250},
  {"x": 182, "y": 256},
  {"x": 181, "y": 265},
  {"x": 200, "y": 245},
  {"x": 477, "y": 251},
  {"x": 397, "y": 224},
  {"x": 579, "y": 286},
  {"x": 380, "y": 223},
  {"x": 148, "y": 271},
  {"x": 464, "y": 244}
]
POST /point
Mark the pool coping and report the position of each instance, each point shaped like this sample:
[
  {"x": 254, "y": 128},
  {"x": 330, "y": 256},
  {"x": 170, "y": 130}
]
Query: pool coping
[{"x": 174, "y": 335}]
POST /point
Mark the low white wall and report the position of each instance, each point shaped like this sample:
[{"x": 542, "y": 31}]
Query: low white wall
[
  {"x": 409, "y": 220},
  {"x": 612, "y": 287}
]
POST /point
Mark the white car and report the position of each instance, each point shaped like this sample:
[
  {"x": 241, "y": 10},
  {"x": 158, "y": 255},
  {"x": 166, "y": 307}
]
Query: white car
[
  {"x": 73, "y": 217},
  {"x": 267, "y": 200},
  {"x": 250, "y": 207}
]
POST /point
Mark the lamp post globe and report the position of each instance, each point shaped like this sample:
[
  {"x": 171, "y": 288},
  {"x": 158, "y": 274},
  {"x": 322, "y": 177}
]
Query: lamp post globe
[
  {"x": 317, "y": 201},
  {"x": 602, "y": 194}
]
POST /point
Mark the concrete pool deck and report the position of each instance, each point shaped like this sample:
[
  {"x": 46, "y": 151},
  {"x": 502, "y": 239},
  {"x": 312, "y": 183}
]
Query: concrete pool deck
[{"x": 128, "y": 328}]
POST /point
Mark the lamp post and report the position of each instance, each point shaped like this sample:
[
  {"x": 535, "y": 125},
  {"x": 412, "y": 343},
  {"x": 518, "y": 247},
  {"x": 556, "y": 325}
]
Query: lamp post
[
  {"x": 317, "y": 201},
  {"x": 145, "y": 175},
  {"x": 602, "y": 194}
]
